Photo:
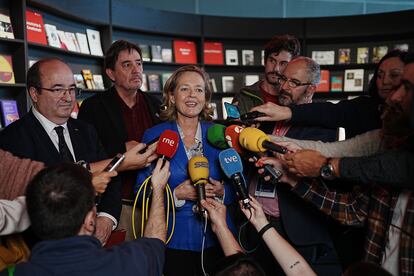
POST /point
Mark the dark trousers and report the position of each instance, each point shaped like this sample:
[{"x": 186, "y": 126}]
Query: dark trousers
[{"x": 188, "y": 263}]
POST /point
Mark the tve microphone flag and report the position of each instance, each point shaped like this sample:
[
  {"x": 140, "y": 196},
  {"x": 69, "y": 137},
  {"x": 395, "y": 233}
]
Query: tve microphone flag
[{"x": 232, "y": 167}]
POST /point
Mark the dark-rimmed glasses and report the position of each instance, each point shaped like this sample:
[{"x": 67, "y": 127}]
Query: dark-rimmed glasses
[
  {"x": 291, "y": 82},
  {"x": 58, "y": 92}
]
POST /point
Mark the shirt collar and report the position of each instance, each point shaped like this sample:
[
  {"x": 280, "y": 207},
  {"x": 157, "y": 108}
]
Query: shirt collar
[{"x": 48, "y": 125}]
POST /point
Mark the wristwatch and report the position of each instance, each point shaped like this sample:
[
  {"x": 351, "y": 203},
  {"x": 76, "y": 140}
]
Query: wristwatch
[{"x": 327, "y": 170}]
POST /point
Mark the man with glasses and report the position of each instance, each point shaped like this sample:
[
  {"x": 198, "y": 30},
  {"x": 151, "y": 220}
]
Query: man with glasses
[
  {"x": 302, "y": 226},
  {"x": 48, "y": 134},
  {"x": 277, "y": 53}
]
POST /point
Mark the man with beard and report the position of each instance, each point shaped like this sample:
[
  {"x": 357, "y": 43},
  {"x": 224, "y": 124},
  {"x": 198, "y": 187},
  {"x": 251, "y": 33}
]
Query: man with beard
[
  {"x": 277, "y": 53},
  {"x": 122, "y": 114},
  {"x": 388, "y": 213},
  {"x": 288, "y": 215}
]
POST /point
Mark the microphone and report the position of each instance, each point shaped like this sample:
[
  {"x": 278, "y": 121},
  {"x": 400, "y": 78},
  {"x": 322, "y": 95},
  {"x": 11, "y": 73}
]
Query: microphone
[
  {"x": 250, "y": 116},
  {"x": 256, "y": 140},
  {"x": 168, "y": 144},
  {"x": 215, "y": 135},
  {"x": 199, "y": 172},
  {"x": 232, "y": 134},
  {"x": 232, "y": 167}
]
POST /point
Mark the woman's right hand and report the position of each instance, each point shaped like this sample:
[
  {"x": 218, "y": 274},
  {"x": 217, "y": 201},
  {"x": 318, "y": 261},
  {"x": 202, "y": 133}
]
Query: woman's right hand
[{"x": 185, "y": 191}]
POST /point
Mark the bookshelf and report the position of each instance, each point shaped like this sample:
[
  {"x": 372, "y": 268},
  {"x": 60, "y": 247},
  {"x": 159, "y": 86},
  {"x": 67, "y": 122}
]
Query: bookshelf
[{"x": 121, "y": 19}]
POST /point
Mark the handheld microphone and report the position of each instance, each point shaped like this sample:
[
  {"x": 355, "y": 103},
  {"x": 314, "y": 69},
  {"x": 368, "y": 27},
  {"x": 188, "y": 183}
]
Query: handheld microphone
[
  {"x": 148, "y": 144},
  {"x": 232, "y": 134},
  {"x": 199, "y": 172},
  {"x": 249, "y": 116},
  {"x": 168, "y": 144},
  {"x": 215, "y": 135},
  {"x": 256, "y": 140},
  {"x": 232, "y": 167}
]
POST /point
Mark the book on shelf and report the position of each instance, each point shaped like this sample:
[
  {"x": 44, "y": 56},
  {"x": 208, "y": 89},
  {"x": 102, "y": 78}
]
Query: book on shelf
[
  {"x": 75, "y": 110},
  {"x": 94, "y": 41},
  {"x": 34, "y": 28},
  {"x": 31, "y": 62},
  {"x": 248, "y": 57},
  {"x": 344, "y": 56},
  {"x": 213, "y": 107},
  {"x": 324, "y": 57},
  {"x": 185, "y": 51},
  {"x": 213, "y": 53},
  {"x": 378, "y": 52},
  {"x": 156, "y": 53},
  {"x": 145, "y": 50},
  {"x": 144, "y": 85},
  {"x": 87, "y": 76},
  {"x": 53, "y": 38},
  {"x": 213, "y": 85},
  {"x": 228, "y": 83},
  {"x": 79, "y": 81},
  {"x": 166, "y": 55},
  {"x": 232, "y": 57},
  {"x": 83, "y": 43},
  {"x": 6, "y": 69},
  {"x": 402, "y": 47},
  {"x": 323, "y": 85},
  {"x": 223, "y": 107},
  {"x": 362, "y": 55},
  {"x": 354, "y": 80},
  {"x": 62, "y": 39},
  {"x": 262, "y": 58},
  {"x": 6, "y": 28},
  {"x": 98, "y": 81},
  {"x": 154, "y": 83},
  {"x": 337, "y": 83},
  {"x": 72, "y": 42},
  {"x": 9, "y": 111},
  {"x": 164, "y": 78},
  {"x": 251, "y": 79}
]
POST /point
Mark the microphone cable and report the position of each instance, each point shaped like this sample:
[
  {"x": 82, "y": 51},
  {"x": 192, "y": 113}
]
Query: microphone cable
[
  {"x": 145, "y": 208},
  {"x": 203, "y": 245},
  {"x": 239, "y": 235}
]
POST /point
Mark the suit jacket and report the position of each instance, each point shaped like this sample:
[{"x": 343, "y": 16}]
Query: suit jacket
[
  {"x": 104, "y": 113},
  {"x": 26, "y": 138},
  {"x": 188, "y": 231}
]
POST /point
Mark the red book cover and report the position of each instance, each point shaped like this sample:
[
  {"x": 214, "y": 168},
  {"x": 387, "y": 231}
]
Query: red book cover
[
  {"x": 324, "y": 82},
  {"x": 6, "y": 69},
  {"x": 185, "y": 52},
  {"x": 213, "y": 53},
  {"x": 35, "y": 29}
]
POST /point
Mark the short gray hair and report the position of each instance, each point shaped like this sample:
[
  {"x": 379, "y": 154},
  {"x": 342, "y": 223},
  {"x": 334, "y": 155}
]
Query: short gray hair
[{"x": 313, "y": 70}]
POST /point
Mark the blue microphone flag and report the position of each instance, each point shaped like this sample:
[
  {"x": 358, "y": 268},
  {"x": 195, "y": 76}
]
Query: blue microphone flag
[{"x": 230, "y": 162}]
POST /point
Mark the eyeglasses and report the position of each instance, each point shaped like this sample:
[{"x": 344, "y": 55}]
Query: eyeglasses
[
  {"x": 58, "y": 92},
  {"x": 291, "y": 83}
]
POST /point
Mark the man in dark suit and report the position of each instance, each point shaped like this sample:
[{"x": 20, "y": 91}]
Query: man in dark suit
[
  {"x": 122, "y": 114},
  {"x": 48, "y": 134},
  {"x": 302, "y": 226}
]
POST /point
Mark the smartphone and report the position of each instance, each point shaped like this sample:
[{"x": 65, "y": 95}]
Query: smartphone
[
  {"x": 232, "y": 111},
  {"x": 115, "y": 162}
]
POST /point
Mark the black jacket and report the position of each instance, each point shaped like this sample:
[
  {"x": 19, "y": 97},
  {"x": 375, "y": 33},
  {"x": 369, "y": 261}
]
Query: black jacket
[{"x": 26, "y": 138}]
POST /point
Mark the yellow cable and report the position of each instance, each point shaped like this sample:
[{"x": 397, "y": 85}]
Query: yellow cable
[
  {"x": 173, "y": 213},
  {"x": 143, "y": 209},
  {"x": 134, "y": 207}
]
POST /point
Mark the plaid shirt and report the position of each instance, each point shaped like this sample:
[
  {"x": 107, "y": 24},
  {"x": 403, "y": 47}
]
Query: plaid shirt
[{"x": 372, "y": 206}]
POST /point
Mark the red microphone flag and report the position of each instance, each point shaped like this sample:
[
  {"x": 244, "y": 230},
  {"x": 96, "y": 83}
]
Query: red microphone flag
[
  {"x": 168, "y": 143},
  {"x": 232, "y": 134}
]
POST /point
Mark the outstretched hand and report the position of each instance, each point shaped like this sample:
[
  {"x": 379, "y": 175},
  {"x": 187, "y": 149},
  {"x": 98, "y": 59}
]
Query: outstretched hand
[
  {"x": 255, "y": 214},
  {"x": 273, "y": 112},
  {"x": 216, "y": 213}
]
